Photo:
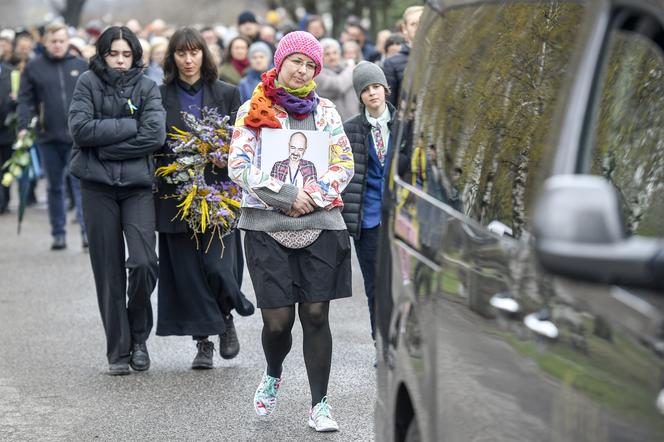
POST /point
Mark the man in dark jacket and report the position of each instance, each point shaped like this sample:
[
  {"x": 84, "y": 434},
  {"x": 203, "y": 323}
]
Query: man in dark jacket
[
  {"x": 47, "y": 85},
  {"x": 6, "y": 132},
  {"x": 247, "y": 25},
  {"x": 369, "y": 136},
  {"x": 395, "y": 66},
  {"x": 356, "y": 32}
]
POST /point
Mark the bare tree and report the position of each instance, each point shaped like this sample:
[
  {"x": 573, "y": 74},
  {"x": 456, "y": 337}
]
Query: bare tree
[{"x": 71, "y": 10}]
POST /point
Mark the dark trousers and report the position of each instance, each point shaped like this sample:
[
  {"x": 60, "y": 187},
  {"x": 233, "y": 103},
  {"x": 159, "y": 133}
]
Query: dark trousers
[
  {"x": 366, "y": 248},
  {"x": 114, "y": 215},
  {"x": 5, "y": 154},
  {"x": 55, "y": 158}
]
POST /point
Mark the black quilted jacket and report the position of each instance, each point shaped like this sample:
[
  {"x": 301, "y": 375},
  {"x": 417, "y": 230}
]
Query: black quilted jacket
[
  {"x": 358, "y": 131},
  {"x": 117, "y": 121}
]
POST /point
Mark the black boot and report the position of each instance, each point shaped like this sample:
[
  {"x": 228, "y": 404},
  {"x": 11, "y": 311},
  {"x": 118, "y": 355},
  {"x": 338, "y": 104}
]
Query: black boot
[
  {"x": 229, "y": 346},
  {"x": 243, "y": 306},
  {"x": 119, "y": 369},
  {"x": 140, "y": 359},
  {"x": 203, "y": 359}
]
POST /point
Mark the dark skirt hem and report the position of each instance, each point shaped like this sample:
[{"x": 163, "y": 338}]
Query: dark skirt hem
[
  {"x": 283, "y": 277},
  {"x": 309, "y": 299}
]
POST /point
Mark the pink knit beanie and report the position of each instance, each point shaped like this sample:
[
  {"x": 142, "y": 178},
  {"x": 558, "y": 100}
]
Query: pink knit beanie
[{"x": 299, "y": 42}]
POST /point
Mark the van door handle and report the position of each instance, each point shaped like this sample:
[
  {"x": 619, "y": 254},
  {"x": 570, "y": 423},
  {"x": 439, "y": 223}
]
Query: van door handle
[
  {"x": 540, "y": 324},
  {"x": 500, "y": 229},
  {"x": 505, "y": 302}
]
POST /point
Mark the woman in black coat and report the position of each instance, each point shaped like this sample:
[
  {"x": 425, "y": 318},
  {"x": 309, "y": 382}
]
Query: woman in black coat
[
  {"x": 117, "y": 122},
  {"x": 198, "y": 288}
]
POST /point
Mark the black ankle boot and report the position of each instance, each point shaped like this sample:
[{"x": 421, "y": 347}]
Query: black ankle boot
[
  {"x": 244, "y": 307},
  {"x": 140, "y": 359},
  {"x": 203, "y": 359},
  {"x": 229, "y": 346},
  {"x": 118, "y": 369}
]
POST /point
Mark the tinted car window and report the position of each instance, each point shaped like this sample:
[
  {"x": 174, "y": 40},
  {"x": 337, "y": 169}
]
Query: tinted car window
[
  {"x": 484, "y": 104},
  {"x": 629, "y": 131}
]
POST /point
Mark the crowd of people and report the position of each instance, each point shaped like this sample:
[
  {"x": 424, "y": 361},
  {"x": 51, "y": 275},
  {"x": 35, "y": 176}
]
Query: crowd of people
[{"x": 105, "y": 98}]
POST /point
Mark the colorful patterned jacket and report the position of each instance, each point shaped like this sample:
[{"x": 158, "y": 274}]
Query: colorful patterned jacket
[{"x": 245, "y": 151}]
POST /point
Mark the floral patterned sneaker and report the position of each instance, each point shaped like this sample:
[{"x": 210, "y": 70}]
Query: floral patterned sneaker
[
  {"x": 265, "y": 399},
  {"x": 320, "y": 417}
]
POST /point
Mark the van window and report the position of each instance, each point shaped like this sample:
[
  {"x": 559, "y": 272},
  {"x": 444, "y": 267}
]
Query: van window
[
  {"x": 629, "y": 130},
  {"x": 479, "y": 109}
]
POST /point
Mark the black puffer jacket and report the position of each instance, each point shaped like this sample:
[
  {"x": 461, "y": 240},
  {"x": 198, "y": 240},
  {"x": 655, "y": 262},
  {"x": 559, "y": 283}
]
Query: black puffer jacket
[
  {"x": 47, "y": 85},
  {"x": 394, "y": 68},
  {"x": 117, "y": 122},
  {"x": 7, "y": 105},
  {"x": 358, "y": 131}
]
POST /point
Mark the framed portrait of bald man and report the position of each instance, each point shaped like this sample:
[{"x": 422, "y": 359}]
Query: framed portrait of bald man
[{"x": 294, "y": 156}]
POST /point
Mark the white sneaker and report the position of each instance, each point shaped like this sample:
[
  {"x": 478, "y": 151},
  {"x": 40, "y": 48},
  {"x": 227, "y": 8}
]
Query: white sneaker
[
  {"x": 320, "y": 417},
  {"x": 265, "y": 399}
]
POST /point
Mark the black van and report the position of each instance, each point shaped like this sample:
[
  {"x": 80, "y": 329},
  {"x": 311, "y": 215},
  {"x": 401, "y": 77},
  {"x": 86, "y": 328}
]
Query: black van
[{"x": 521, "y": 287}]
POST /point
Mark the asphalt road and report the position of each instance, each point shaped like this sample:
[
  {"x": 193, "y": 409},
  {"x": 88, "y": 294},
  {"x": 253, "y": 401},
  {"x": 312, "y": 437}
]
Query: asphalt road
[{"x": 53, "y": 384}]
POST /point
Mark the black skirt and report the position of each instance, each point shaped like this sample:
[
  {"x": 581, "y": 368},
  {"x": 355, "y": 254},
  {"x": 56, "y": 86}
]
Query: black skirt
[
  {"x": 283, "y": 276},
  {"x": 197, "y": 289}
]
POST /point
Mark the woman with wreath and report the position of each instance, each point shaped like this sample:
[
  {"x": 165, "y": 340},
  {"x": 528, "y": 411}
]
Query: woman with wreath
[{"x": 199, "y": 285}]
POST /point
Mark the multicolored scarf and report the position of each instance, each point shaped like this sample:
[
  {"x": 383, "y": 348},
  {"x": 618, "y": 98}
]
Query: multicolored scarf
[{"x": 299, "y": 103}]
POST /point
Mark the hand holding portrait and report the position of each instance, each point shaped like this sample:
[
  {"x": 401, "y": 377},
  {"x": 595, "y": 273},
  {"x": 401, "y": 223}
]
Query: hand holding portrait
[{"x": 302, "y": 205}]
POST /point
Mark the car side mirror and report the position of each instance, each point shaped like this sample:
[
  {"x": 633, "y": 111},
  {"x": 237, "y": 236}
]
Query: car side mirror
[{"x": 580, "y": 233}]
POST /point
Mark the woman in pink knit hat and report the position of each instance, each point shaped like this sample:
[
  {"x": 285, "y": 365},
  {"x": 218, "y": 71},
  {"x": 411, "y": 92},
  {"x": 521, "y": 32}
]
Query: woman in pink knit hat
[{"x": 296, "y": 242}]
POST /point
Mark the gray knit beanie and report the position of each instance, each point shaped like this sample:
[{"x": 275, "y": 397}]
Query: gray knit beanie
[
  {"x": 260, "y": 46},
  {"x": 366, "y": 73}
]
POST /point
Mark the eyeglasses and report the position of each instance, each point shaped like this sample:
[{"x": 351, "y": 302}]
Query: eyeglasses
[{"x": 300, "y": 63}]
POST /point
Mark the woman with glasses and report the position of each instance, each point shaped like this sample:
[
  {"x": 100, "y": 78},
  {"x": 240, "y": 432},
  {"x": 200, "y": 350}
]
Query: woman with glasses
[{"x": 296, "y": 242}]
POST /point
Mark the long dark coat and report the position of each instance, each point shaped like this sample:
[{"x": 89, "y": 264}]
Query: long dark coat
[{"x": 196, "y": 289}]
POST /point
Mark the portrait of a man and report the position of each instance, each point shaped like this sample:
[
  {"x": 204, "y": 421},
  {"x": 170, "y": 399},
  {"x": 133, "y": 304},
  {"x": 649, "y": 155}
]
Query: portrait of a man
[{"x": 295, "y": 169}]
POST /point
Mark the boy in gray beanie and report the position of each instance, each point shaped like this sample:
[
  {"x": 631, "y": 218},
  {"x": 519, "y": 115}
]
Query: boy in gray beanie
[
  {"x": 367, "y": 73},
  {"x": 369, "y": 135}
]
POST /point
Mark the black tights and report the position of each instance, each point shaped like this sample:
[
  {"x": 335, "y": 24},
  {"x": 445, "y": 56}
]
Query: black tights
[{"x": 277, "y": 341}]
